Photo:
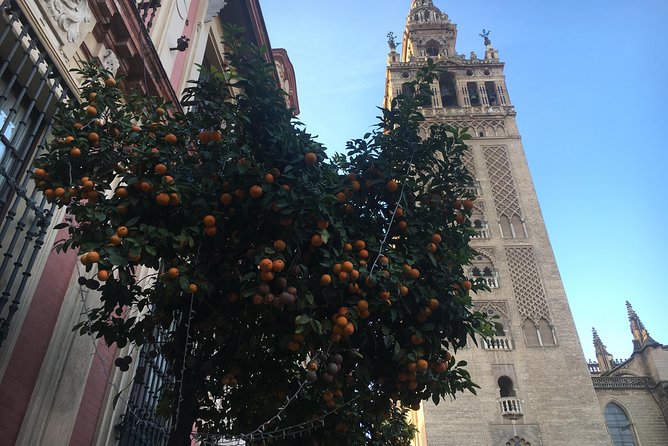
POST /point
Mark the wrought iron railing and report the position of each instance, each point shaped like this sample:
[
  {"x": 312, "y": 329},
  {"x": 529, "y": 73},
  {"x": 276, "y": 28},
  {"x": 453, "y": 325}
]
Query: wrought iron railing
[
  {"x": 147, "y": 11},
  {"x": 30, "y": 90}
]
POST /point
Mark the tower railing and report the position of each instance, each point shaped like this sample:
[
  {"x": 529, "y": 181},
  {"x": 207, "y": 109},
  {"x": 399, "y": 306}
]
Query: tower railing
[
  {"x": 498, "y": 343},
  {"x": 147, "y": 10},
  {"x": 510, "y": 406}
]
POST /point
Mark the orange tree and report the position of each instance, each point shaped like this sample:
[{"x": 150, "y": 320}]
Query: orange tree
[{"x": 299, "y": 296}]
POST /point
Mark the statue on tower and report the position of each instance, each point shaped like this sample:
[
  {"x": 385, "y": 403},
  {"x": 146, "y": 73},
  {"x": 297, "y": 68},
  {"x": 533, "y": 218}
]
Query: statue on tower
[
  {"x": 485, "y": 35},
  {"x": 391, "y": 41}
]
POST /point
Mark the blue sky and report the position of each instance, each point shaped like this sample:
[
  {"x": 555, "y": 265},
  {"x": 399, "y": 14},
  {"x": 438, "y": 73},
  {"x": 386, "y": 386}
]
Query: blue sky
[{"x": 589, "y": 81}]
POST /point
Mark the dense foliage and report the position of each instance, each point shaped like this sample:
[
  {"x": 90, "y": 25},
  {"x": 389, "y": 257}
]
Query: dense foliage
[{"x": 274, "y": 272}]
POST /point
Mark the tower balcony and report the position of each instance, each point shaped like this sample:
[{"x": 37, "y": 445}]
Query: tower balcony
[
  {"x": 473, "y": 188},
  {"x": 510, "y": 407},
  {"x": 502, "y": 343},
  {"x": 481, "y": 232},
  {"x": 491, "y": 281}
]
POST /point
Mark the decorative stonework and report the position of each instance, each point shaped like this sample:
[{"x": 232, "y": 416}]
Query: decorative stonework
[
  {"x": 69, "y": 15},
  {"x": 529, "y": 290},
  {"x": 490, "y": 253},
  {"x": 492, "y": 307},
  {"x": 503, "y": 187},
  {"x": 488, "y": 127},
  {"x": 469, "y": 162},
  {"x": 622, "y": 382},
  {"x": 109, "y": 60}
]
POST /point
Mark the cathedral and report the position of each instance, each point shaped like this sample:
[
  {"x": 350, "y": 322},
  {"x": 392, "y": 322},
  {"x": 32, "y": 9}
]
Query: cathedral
[{"x": 535, "y": 386}]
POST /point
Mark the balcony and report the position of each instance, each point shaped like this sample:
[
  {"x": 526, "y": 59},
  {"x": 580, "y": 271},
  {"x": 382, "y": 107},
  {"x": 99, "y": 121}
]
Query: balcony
[
  {"x": 473, "y": 188},
  {"x": 481, "y": 232},
  {"x": 503, "y": 343},
  {"x": 492, "y": 281},
  {"x": 511, "y": 407},
  {"x": 147, "y": 10}
]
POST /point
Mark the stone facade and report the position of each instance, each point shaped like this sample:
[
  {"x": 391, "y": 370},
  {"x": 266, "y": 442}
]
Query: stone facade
[{"x": 535, "y": 388}]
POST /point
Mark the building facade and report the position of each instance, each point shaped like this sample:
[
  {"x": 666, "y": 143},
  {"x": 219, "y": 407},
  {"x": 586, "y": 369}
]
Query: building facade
[
  {"x": 633, "y": 394},
  {"x": 58, "y": 387},
  {"x": 535, "y": 388}
]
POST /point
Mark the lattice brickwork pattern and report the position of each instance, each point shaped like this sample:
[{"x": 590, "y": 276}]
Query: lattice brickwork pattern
[
  {"x": 529, "y": 291},
  {"x": 503, "y": 187},
  {"x": 492, "y": 307},
  {"x": 467, "y": 159}
]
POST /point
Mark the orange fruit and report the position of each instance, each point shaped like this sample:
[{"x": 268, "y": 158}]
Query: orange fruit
[
  {"x": 93, "y": 137},
  {"x": 433, "y": 304},
  {"x": 174, "y": 199},
  {"x": 266, "y": 276},
  {"x": 347, "y": 247},
  {"x": 93, "y": 256},
  {"x": 325, "y": 279},
  {"x": 383, "y": 260},
  {"x": 115, "y": 240},
  {"x": 122, "y": 209},
  {"x": 103, "y": 275},
  {"x": 460, "y": 218},
  {"x": 468, "y": 204},
  {"x": 135, "y": 128},
  {"x": 162, "y": 199},
  {"x": 279, "y": 245},
  {"x": 422, "y": 364},
  {"x": 75, "y": 152},
  {"x": 392, "y": 186},
  {"x": 268, "y": 178},
  {"x": 84, "y": 259},
  {"x": 403, "y": 290},
  {"x": 91, "y": 111},
  {"x": 192, "y": 288},
  {"x": 431, "y": 247},
  {"x": 467, "y": 285},
  {"x": 173, "y": 273},
  {"x": 363, "y": 305},
  {"x": 341, "y": 197},
  {"x": 169, "y": 180},
  {"x": 414, "y": 274},
  {"x": 160, "y": 169},
  {"x": 39, "y": 173},
  {"x": 215, "y": 136},
  {"x": 310, "y": 158},
  {"x": 266, "y": 265},
  {"x": 364, "y": 254},
  {"x": 336, "y": 268},
  {"x": 347, "y": 266},
  {"x": 400, "y": 211},
  {"x": 170, "y": 138},
  {"x": 359, "y": 245},
  {"x": 354, "y": 274},
  {"x": 316, "y": 240},
  {"x": 210, "y": 231},
  {"x": 226, "y": 199},
  {"x": 355, "y": 185},
  {"x": 255, "y": 191},
  {"x": 416, "y": 340},
  {"x": 349, "y": 329},
  {"x": 341, "y": 321},
  {"x": 121, "y": 192},
  {"x": 146, "y": 186},
  {"x": 209, "y": 221},
  {"x": 403, "y": 225},
  {"x": 322, "y": 224},
  {"x": 436, "y": 238},
  {"x": 160, "y": 111},
  {"x": 111, "y": 83},
  {"x": 122, "y": 231},
  {"x": 278, "y": 265},
  {"x": 59, "y": 192},
  {"x": 88, "y": 185},
  {"x": 204, "y": 137},
  {"x": 343, "y": 276},
  {"x": 78, "y": 125}
]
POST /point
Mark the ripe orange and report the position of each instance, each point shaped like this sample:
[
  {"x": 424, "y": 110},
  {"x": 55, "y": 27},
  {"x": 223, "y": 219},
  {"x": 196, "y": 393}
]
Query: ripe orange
[
  {"x": 93, "y": 256},
  {"x": 310, "y": 158},
  {"x": 416, "y": 340},
  {"x": 336, "y": 268},
  {"x": 204, "y": 137},
  {"x": 325, "y": 279},
  {"x": 359, "y": 245},
  {"x": 160, "y": 111},
  {"x": 268, "y": 178},
  {"x": 383, "y": 260},
  {"x": 93, "y": 137},
  {"x": 170, "y": 138},
  {"x": 355, "y": 185},
  {"x": 322, "y": 224},
  {"x": 162, "y": 199},
  {"x": 316, "y": 240},
  {"x": 215, "y": 136},
  {"x": 392, "y": 186},
  {"x": 341, "y": 321},
  {"x": 400, "y": 211},
  {"x": 354, "y": 274},
  {"x": 403, "y": 290},
  {"x": 209, "y": 221},
  {"x": 364, "y": 254},
  {"x": 433, "y": 304},
  {"x": 168, "y": 180},
  {"x": 460, "y": 218},
  {"x": 279, "y": 245},
  {"x": 59, "y": 192},
  {"x": 403, "y": 225},
  {"x": 347, "y": 247},
  {"x": 210, "y": 231},
  {"x": 468, "y": 204},
  {"x": 174, "y": 199},
  {"x": 78, "y": 125},
  {"x": 192, "y": 288},
  {"x": 135, "y": 128},
  {"x": 266, "y": 265},
  {"x": 431, "y": 247},
  {"x": 266, "y": 276},
  {"x": 84, "y": 259},
  {"x": 467, "y": 285},
  {"x": 278, "y": 265},
  {"x": 88, "y": 185},
  {"x": 122, "y": 231},
  {"x": 121, "y": 192},
  {"x": 110, "y": 82},
  {"x": 122, "y": 209},
  {"x": 103, "y": 275},
  {"x": 91, "y": 111},
  {"x": 349, "y": 329},
  {"x": 160, "y": 169},
  {"x": 146, "y": 186},
  {"x": 422, "y": 364},
  {"x": 341, "y": 197},
  {"x": 363, "y": 305},
  {"x": 226, "y": 199},
  {"x": 173, "y": 273},
  {"x": 39, "y": 173},
  {"x": 436, "y": 238},
  {"x": 115, "y": 240},
  {"x": 343, "y": 276},
  {"x": 75, "y": 152},
  {"x": 414, "y": 274},
  {"x": 255, "y": 191},
  {"x": 347, "y": 266}
]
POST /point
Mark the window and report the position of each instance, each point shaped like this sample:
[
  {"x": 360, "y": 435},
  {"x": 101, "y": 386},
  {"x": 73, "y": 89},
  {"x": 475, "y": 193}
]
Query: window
[
  {"x": 619, "y": 426},
  {"x": 474, "y": 95},
  {"x": 447, "y": 90},
  {"x": 506, "y": 388}
]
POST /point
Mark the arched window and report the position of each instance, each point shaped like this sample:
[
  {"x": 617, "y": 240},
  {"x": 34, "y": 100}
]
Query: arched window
[
  {"x": 506, "y": 388},
  {"x": 517, "y": 441},
  {"x": 619, "y": 426},
  {"x": 448, "y": 92}
]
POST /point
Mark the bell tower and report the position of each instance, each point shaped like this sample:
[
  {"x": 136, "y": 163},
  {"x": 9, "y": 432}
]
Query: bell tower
[{"x": 535, "y": 387}]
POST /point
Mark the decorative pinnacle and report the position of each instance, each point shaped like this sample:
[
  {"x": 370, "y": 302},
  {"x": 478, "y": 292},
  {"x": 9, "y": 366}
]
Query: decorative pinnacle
[
  {"x": 598, "y": 344},
  {"x": 640, "y": 334}
]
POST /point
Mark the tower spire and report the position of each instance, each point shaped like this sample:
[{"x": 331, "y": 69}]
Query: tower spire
[
  {"x": 604, "y": 359},
  {"x": 641, "y": 336},
  {"x": 419, "y": 3}
]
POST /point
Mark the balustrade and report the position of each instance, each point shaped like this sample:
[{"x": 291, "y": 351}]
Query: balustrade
[
  {"x": 510, "y": 406},
  {"x": 498, "y": 343}
]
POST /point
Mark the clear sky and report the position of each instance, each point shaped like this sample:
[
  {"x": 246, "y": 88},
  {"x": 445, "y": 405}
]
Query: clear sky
[{"x": 589, "y": 81}]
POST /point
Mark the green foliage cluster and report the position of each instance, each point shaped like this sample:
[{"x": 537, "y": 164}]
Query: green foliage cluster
[{"x": 268, "y": 265}]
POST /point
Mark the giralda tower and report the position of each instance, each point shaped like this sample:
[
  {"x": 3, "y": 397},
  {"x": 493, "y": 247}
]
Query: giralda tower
[{"x": 535, "y": 385}]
